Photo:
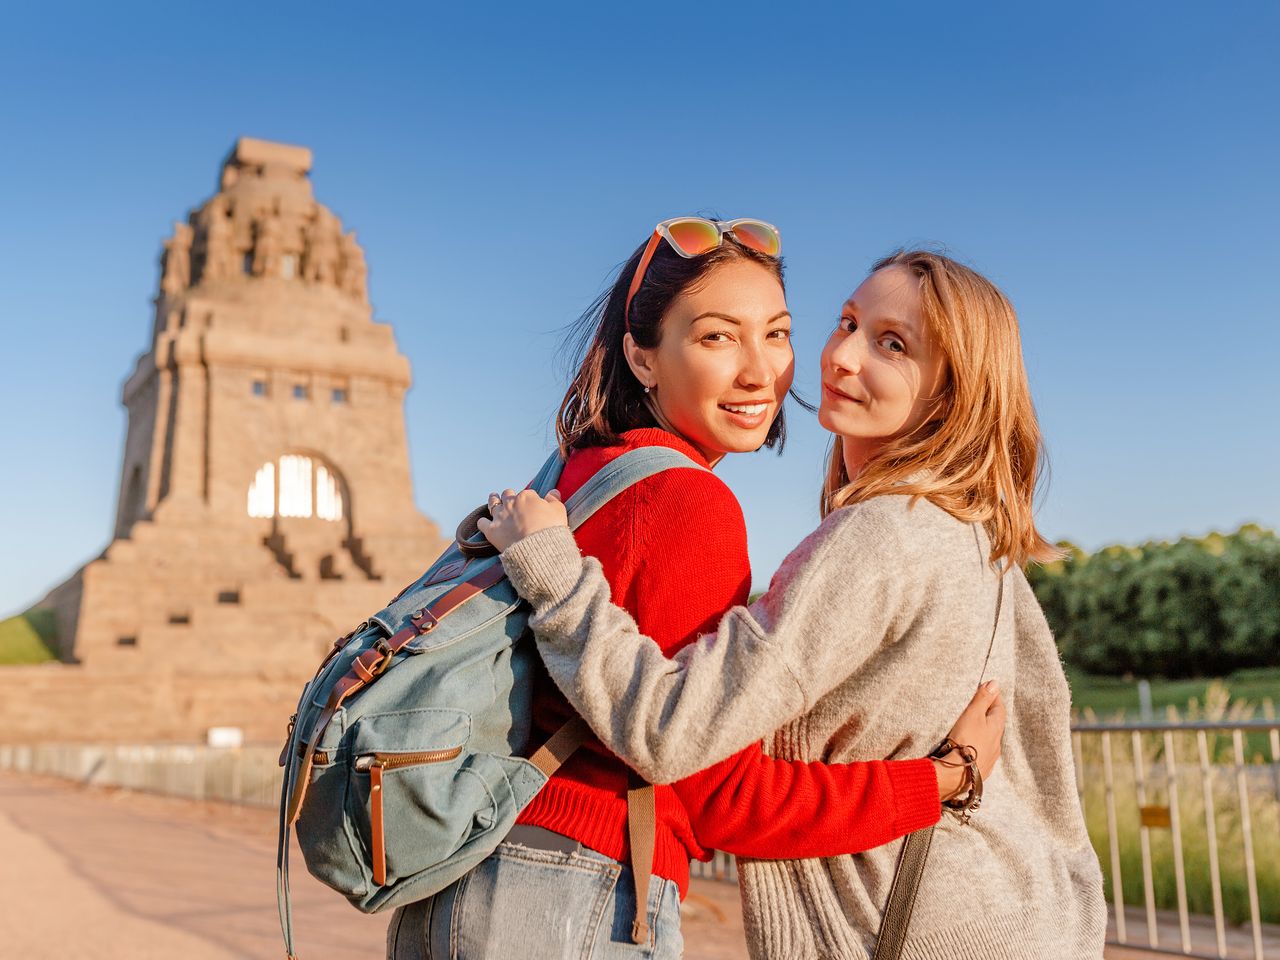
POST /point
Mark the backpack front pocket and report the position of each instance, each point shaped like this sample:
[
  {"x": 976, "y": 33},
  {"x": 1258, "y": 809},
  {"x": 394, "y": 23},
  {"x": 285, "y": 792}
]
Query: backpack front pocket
[
  {"x": 417, "y": 795},
  {"x": 377, "y": 765}
]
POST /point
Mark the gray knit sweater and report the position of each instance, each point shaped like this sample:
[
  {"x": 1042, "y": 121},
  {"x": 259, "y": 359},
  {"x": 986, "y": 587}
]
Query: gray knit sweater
[{"x": 868, "y": 644}]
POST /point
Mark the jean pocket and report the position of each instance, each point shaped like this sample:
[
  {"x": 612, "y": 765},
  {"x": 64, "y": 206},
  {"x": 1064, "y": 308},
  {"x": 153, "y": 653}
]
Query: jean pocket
[
  {"x": 524, "y": 902},
  {"x": 666, "y": 942}
]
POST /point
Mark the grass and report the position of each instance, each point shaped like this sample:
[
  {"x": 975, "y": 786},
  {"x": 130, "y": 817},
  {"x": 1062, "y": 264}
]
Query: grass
[
  {"x": 1113, "y": 697},
  {"x": 28, "y": 638}
]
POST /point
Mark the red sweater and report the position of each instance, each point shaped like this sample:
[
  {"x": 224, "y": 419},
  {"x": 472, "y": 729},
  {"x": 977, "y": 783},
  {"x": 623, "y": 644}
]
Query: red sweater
[{"x": 674, "y": 550}]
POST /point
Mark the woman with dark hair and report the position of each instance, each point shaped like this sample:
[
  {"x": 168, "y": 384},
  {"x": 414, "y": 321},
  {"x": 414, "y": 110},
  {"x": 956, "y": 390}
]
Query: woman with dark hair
[{"x": 689, "y": 350}]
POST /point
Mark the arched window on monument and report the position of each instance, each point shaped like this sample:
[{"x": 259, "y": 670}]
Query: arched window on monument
[
  {"x": 262, "y": 492},
  {"x": 295, "y": 486}
]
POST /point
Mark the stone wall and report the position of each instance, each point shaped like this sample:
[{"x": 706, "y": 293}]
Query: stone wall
[{"x": 65, "y": 703}]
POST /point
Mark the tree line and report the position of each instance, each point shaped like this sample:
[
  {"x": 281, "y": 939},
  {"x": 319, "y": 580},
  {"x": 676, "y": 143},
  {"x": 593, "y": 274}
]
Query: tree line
[{"x": 1197, "y": 607}]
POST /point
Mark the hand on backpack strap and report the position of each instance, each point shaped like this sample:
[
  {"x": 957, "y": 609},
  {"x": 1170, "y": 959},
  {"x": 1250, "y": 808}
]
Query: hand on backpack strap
[{"x": 517, "y": 515}]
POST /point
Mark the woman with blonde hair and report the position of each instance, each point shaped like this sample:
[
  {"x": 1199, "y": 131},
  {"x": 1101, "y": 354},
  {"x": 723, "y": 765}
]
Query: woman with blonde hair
[{"x": 873, "y": 634}]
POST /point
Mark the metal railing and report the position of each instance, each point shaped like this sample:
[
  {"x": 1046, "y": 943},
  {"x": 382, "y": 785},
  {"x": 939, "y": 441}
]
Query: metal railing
[
  {"x": 1185, "y": 784},
  {"x": 721, "y": 866}
]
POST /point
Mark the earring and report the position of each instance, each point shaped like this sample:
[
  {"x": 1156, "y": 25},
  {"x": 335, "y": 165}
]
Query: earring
[{"x": 646, "y": 389}]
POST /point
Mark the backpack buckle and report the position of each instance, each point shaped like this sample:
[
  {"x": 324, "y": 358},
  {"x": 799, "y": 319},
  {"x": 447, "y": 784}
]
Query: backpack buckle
[
  {"x": 366, "y": 668},
  {"x": 383, "y": 648}
]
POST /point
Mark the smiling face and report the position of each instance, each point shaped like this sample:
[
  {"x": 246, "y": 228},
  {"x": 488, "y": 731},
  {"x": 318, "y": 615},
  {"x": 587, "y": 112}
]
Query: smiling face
[
  {"x": 723, "y": 363},
  {"x": 881, "y": 369}
]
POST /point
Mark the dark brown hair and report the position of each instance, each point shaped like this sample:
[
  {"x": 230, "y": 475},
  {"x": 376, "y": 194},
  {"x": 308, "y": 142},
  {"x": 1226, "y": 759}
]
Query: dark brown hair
[{"x": 605, "y": 399}]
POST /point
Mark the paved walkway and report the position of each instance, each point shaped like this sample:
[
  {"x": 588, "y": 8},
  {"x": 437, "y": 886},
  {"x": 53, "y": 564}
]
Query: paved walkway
[
  {"x": 104, "y": 874},
  {"x": 1204, "y": 940}
]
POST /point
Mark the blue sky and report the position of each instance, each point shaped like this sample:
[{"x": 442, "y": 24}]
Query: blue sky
[{"x": 1111, "y": 166}]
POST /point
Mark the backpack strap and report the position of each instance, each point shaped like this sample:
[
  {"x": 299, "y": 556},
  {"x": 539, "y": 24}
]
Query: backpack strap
[
  {"x": 547, "y": 477},
  {"x": 642, "y": 818},
  {"x": 619, "y": 474},
  {"x": 913, "y": 856},
  {"x": 642, "y": 832},
  {"x": 607, "y": 482},
  {"x": 642, "y": 825},
  {"x": 549, "y": 757}
]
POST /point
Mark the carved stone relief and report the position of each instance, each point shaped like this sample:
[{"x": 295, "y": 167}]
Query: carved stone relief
[
  {"x": 268, "y": 248},
  {"x": 219, "y": 254},
  {"x": 322, "y": 238},
  {"x": 176, "y": 262},
  {"x": 264, "y": 237},
  {"x": 355, "y": 273}
]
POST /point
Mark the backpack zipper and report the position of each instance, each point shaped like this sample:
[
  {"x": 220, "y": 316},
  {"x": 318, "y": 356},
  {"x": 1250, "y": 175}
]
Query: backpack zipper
[{"x": 375, "y": 764}]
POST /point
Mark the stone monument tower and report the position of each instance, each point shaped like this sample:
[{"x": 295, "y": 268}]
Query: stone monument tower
[{"x": 265, "y": 502}]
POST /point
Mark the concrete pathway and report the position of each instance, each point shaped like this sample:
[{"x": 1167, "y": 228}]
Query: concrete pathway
[
  {"x": 1203, "y": 935},
  {"x": 104, "y": 874},
  {"x": 91, "y": 873}
]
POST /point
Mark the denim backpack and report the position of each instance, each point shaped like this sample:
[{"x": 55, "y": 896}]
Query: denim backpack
[{"x": 405, "y": 763}]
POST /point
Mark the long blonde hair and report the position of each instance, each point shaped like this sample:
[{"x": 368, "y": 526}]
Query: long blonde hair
[{"x": 978, "y": 454}]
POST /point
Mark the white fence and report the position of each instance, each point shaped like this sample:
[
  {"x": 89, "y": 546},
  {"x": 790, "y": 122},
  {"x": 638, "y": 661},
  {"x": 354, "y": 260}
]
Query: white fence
[{"x": 1182, "y": 815}]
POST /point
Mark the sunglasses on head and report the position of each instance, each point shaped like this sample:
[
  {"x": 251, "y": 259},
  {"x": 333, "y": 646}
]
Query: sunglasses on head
[{"x": 694, "y": 236}]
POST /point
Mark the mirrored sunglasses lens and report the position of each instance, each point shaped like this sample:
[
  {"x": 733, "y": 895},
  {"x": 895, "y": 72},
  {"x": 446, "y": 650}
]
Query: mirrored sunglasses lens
[
  {"x": 758, "y": 236},
  {"x": 694, "y": 237}
]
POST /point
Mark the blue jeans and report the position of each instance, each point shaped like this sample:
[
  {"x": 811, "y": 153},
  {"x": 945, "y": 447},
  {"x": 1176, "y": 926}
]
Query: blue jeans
[{"x": 523, "y": 902}]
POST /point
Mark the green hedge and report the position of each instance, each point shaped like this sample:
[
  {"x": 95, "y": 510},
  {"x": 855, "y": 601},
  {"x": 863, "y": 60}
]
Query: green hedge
[{"x": 1199, "y": 607}]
